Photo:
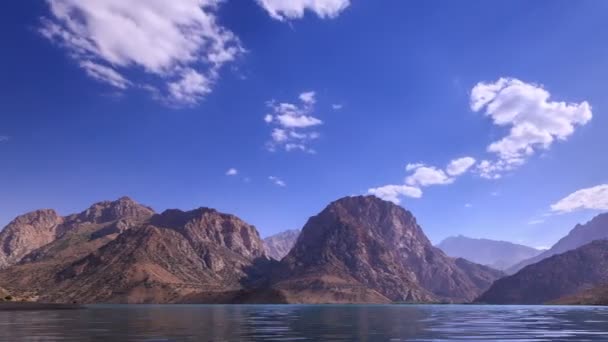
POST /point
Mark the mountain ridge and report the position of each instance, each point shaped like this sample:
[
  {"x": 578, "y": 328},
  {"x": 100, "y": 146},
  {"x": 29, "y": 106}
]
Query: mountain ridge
[
  {"x": 493, "y": 253},
  {"x": 581, "y": 234}
]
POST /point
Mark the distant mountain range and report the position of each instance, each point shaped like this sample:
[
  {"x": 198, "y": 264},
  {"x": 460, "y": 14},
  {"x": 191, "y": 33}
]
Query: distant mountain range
[
  {"x": 582, "y": 234},
  {"x": 497, "y": 254},
  {"x": 278, "y": 245},
  {"x": 359, "y": 249}
]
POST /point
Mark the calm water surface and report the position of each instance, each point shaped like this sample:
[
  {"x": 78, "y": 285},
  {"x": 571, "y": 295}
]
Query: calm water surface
[{"x": 309, "y": 323}]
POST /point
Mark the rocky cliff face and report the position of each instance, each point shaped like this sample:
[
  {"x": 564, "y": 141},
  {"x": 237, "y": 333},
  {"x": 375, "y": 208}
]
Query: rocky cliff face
[
  {"x": 582, "y": 234},
  {"x": 278, "y": 245},
  {"x": 496, "y": 254},
  {"x": 27, "y": 233},
  {"x": 367, "y": 244},
  {"x": 108, "y": 211},
  {"x": 559, "y": 276}
]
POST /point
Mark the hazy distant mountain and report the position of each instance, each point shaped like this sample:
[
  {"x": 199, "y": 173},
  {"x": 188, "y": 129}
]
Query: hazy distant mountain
[
  {"x": 553, "y": 278},
  {"x": 595, "y": 229},
  {"x": 364, "y": 249},
  {"x": 278, "y": 245},
  {"x": 496, "y": 254}
]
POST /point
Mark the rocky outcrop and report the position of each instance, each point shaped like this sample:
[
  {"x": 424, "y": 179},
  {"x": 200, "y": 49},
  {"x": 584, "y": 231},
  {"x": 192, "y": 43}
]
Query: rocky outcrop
[
  {"x": 27, "y": 233},
  {"x": 278, "y": 245},
  {"x": 120, "y": 252},
  {"x": 582, "y": 234},
  {"x": 365, "y": 247},
  {"x": 109, "y": 211},
  {"x": 496, "y": 254},
  {"x": 556, "y": 277}
]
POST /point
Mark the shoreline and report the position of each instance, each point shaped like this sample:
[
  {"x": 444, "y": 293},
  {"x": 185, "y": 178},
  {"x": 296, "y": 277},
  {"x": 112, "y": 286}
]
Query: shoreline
[{"x": 31, "y": 306}]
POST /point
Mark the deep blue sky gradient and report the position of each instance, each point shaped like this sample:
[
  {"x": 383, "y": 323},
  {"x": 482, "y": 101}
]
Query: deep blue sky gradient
[{"x": 403, "y": 71}]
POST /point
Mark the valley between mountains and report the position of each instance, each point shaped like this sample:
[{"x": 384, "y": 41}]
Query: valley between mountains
[{"x": 358, "y": 249}]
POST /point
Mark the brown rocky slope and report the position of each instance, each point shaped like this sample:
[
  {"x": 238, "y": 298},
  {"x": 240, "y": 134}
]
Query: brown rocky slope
[
  {"x": 580, "y": 235},
  {"x": 559, "y": 276},
  {"x": 122, "y": 252},
  {"x": 366, "y": 249}
]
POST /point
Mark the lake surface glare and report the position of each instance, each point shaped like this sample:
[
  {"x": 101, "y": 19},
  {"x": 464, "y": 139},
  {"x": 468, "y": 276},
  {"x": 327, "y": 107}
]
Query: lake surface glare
[{"x": 308, "y": 323}]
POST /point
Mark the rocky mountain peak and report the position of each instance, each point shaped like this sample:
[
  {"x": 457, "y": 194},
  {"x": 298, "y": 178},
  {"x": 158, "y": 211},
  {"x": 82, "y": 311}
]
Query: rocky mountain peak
[
  {"x": 108, "y": 211},
  {"x": 26, "y": 233},
  {"x": 381, "y": 247},
  {"x": 205, "y": 225}
]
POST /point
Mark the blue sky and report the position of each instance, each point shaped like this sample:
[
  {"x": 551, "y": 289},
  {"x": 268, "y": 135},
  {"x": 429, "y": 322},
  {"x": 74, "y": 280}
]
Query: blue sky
[{"x": 309, "y": 102}]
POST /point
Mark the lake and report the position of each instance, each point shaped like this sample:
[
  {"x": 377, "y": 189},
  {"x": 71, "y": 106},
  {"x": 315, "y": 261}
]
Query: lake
[{"x": 308, "y": 322}]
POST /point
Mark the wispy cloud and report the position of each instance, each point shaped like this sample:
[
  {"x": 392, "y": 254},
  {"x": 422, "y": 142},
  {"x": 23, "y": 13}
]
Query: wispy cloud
[
  {"x": 232, "y": 172},
  {"x": 422, "y": 176},
  {"x": 277, "y": 181},
  {"x": 595, "y": 198},
  {"x": 295, "y": 9},
  {"x": 293, "y": 124},
  {"x": 178, "y": 46},
  {"x": 536, "y": 221},
  {"x": 4, "y": 138}
]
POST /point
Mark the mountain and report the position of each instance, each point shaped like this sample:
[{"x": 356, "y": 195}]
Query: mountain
[
  {"x": 358, "y": 249},
  {"x": 27, "y": 233},
  {"x": 496, "y": 254},
  {"x": 596, "y": 229},
  {"x": 595, "y": 296},
  {"x": 364, "y": 249},
  {"x": 121, "y": 251},
  {"x": 278, "y": 245},
  {"x": 556, "y": 277}
]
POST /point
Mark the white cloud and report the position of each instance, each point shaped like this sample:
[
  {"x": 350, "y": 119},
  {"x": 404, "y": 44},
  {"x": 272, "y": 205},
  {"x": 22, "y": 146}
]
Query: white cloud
[
  {"x": 279, "y": 135},
  {"x": 232, "y": 172},
  {"x": 308, "y": 97},
  {"x": 277, "y": 181},
  {"x": 394, "y": 192},
  {"x": 534, "y": 121},
  {"x": 294, "y": 9},
  {"x": 595, "y": 198},
  {"x": 428, "y": 175},
  {"x": 294, "y": 120},
  {"x": 536, "y": 221},
  {"x": 468, "y": 205},
  {"x": 177, "y": 44},
  {"x": 413, "y": 166},
  {"x": 459, "y": 166},
  {"x": 292, "y": 124},
  {"x": 190, "y": 88},
  {"x": 105, "y": 74},
  {"x": 422, "y": 176},
  {"x": 337, "y": 106}
]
